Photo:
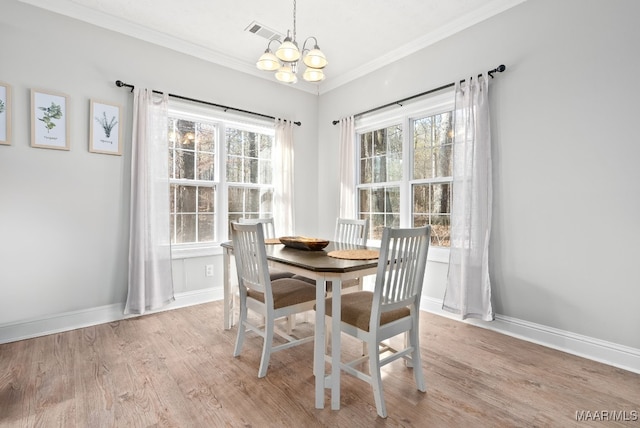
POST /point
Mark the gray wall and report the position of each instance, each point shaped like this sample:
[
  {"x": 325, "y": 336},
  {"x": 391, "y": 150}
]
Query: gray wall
[
  {"x": 64, "y": 215},
  {"x": 565, "y": 232}
]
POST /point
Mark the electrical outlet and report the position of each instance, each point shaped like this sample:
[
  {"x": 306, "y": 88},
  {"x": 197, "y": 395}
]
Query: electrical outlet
[{"x": 208, "y": 270}]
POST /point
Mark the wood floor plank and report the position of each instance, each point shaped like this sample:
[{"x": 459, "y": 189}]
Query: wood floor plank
[{"x": 176, "y": 369}]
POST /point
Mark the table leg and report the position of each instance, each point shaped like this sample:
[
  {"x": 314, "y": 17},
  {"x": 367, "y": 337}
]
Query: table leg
[
  {"x": 336, "y": 308},
  {"x": 318, "y": 343},
  {"x": 228, "y": 297}
]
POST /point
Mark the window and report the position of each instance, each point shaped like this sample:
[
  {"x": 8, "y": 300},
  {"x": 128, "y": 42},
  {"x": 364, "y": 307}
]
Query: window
[
  {"x": 405, "y": 169},
  {"x": 380, "y": 177},
  {"x": 431, "y": 178},
  {"x": 192, "y": 155},
  {"x": 249, "y": 174},
  {"x": 220, "y": 170}
]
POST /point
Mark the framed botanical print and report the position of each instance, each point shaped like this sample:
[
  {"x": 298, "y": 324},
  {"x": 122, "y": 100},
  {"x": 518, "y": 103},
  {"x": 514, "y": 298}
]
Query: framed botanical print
[
  {"x": 5, "y": 113},
  {"x": 49, "y": 120},
  {"x": 104, "y": 128}
]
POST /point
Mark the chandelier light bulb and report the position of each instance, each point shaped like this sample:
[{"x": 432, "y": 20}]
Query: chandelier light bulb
[
  {"x": 313, "y": 74},
  {"x": 315, "y": 58},
  {"x": 268, "y": 61},
  {"x": 288, "y": 51},
  {"x": 286, "y": 75}
]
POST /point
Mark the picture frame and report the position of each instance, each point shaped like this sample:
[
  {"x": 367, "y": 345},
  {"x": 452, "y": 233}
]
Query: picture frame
[
  {"x": 49, "y": 120},
  {"x": 104, "y": 128},
  {"x": 5, "y": 114}
]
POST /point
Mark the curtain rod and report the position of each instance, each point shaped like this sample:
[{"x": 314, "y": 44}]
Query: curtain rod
[
  {"x": 120, "y": 84},
  {"x": 498, "y": 69}
]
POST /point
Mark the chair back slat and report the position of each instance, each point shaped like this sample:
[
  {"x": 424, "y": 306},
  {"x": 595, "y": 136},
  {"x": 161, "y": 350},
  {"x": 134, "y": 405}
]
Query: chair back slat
[
  {"x": 352, "y": 231},
  {"x": 267, "y": 225},
  {"x": 251, "y": 257},
  {"x": 401, "y": 268}
]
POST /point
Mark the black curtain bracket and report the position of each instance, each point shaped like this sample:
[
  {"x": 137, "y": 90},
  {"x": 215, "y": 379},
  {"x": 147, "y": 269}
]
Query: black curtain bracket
[
  {"x": 498, "y": 69},
  {"x": 121, "y": 84}
]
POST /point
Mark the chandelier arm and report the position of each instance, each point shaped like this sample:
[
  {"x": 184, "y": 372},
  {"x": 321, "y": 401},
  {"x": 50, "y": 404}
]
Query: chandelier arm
[
  {"x": 304, "y": 45},
  {"x": 271, "y": 41}
]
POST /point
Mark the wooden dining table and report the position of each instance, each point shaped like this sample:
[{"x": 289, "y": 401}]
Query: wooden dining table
[{"x": 322, "y": 268}]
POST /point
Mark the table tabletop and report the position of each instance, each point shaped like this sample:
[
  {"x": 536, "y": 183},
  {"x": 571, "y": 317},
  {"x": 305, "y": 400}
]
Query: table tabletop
[{"x": 316, "y": 261}]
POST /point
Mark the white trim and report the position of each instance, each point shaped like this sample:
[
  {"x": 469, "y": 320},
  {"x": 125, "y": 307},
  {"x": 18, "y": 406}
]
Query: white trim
[
  {"x": 609, "y": 353},
  {"x": 438, "y": 254},
  {"x": 58, "y": 323},
  {"x": 194, "y": 250}
]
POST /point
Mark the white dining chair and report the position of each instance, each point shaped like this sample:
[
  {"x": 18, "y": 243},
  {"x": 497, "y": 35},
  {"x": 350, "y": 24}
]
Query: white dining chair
[
  {"x": 352, "y": 231},
  {"x": 269, "y": 233},
  {"x": 272, "y": 299},
  {"x": 266, "y": 222},
  {"x": 268, "y": 227},
  {"x": 391, "y": 309}
]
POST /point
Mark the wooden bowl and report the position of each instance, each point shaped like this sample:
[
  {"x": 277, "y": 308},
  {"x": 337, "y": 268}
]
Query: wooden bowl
[{"x": 304, "y": 243}]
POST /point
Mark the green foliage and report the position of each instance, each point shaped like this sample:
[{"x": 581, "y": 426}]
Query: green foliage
[
  {"x": 1, "y": 106},
  {"x": 106, "y": 124},
  {"x": 51, "y": 113}
]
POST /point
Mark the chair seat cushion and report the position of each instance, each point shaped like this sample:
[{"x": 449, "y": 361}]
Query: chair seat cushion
[
  {"x": 287, "y": 292},
  {"x": 279, "y": 274},
  {"x": 345, "y": 284},
  {"x": 356, "y": 310}
]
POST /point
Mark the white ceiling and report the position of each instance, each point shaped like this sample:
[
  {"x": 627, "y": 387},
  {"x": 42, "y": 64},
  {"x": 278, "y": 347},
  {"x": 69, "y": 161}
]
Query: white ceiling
[{"x": 357, "y": 36}]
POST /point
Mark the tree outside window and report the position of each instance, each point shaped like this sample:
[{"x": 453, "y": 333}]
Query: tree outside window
[{"x": 405, "y": 175}]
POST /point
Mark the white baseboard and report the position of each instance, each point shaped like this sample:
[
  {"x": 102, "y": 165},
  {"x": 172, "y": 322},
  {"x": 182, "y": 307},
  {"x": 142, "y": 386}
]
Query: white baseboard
[
  {"x": 103, "y": 314},
  {"x": 609, "y": 353},
  {"x": 587, "y": 347}
]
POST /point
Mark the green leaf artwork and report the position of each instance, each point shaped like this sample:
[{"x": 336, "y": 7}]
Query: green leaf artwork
[
  {"x": 106, "y": 124},
  {"x": 1, "y": 106},
  {"x": 50, "y": 113}
]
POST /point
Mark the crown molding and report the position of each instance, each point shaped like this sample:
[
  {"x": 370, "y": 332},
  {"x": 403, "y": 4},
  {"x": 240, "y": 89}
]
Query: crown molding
[
  {"x": 109, "y": 22},
  {"x": 487, "y": 11}
]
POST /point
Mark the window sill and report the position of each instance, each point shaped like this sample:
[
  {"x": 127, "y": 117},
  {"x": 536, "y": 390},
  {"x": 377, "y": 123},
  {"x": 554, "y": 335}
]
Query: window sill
[
  {"x": 187, "y": 252},
  {"x": 438, "y": 254}
]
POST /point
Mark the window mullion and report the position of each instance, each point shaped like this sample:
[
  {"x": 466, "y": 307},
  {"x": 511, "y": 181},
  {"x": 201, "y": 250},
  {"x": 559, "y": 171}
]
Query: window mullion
[
  {"x": 407, "y": 170},
  {"x": 222, "y": 209}
]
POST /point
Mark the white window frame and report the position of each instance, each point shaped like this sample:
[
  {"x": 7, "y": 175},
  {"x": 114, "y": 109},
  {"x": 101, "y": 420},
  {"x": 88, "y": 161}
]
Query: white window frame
[
  {"x": 222, "y": 120},
  {"x": 404, "y": 115}
]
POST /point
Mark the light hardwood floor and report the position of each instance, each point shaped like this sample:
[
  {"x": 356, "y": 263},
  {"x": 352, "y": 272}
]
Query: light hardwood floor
[{"x": 176, "y": 369}]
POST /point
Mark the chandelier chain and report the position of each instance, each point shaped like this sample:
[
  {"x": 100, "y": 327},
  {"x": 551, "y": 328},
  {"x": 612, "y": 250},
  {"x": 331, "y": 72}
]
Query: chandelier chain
[{"x": 294, "y": 20}]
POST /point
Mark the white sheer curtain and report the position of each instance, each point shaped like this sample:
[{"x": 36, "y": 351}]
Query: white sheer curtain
[
  {"x": 284, "y": 221},
  {"x": 150, "y": 276},
  {"x": 468, "y": 291},
  {"x": 347, "y": 168}
]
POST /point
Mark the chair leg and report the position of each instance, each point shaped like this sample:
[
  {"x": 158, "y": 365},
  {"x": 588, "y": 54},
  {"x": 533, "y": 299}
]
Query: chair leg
[
  {"x": 291, "y": 323},
  {"x": 416, "y": 360},
  {"x": 327, "y": 334},
  {"x": 408, "y": 362},
  {"x": 268, "y": 343},
  {"x": 242, "y": 318},
  {"x": 376, "y": 378}
]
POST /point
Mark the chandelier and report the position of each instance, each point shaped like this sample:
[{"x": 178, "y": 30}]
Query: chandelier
[{"x": 285, "y": 60}]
